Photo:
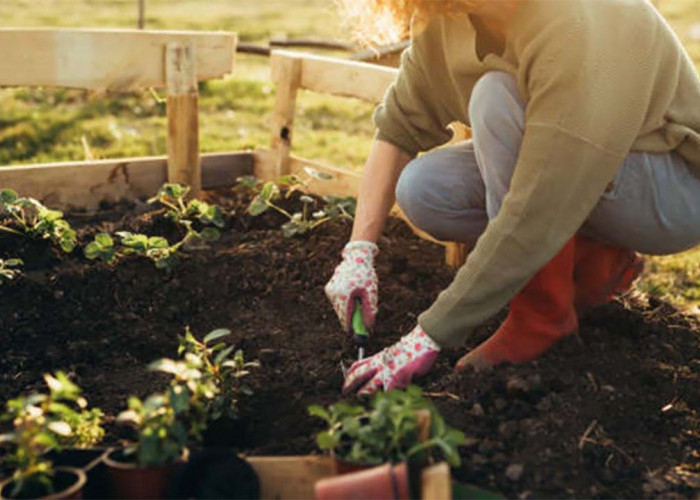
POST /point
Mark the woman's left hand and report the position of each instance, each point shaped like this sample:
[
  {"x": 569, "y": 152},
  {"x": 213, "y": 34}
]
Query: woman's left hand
[{"x": 394, "y": 366}]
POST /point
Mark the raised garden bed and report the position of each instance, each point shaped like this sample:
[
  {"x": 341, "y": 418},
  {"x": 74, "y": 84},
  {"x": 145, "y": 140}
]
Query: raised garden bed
[{"x": 610, "y": 413}]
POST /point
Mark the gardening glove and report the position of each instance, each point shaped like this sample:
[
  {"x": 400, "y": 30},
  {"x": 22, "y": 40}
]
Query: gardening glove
[
  {"x": 393, "y": 367},
  {"x": 355, "y": 277}
]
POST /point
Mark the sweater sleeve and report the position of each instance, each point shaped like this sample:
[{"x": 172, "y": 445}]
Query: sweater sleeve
[
  {"x": 409, "y": 115},
  {"x": 586, "y": 103}
]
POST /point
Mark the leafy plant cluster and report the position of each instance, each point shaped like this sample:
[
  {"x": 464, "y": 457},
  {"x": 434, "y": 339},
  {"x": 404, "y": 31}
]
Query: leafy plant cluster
[
  {"x": 205, "y": 384},
  {"x": 387, "y": 430},
  {"x": 311, "y": 214},
  {"x": 201, "y": 221},
  {"x": 43, "y": 422},
  {"x": 23, "y": 216}
]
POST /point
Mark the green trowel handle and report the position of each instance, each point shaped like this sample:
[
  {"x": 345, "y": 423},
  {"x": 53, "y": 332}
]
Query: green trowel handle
[{"x": 360, "y": 333}]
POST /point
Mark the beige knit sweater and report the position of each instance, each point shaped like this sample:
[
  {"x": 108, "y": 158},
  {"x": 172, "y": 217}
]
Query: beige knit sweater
[{"x": 601, "y": 78}]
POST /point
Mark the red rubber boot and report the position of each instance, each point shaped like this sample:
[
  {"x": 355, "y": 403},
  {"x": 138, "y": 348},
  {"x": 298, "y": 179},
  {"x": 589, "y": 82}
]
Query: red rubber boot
[
  {"x": 541, "y": 314},
  {"x": 602, "y": 271}
]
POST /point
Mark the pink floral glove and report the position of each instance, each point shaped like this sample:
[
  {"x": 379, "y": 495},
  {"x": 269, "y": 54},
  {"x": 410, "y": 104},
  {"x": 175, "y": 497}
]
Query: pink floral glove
[
  {"x": 393, "y": 367},
  {"x": 355, "y": 277}
]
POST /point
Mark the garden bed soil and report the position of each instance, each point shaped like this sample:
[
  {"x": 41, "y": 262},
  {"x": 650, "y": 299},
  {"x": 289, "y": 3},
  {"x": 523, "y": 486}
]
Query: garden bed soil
[{"x": 612, "y": 412}]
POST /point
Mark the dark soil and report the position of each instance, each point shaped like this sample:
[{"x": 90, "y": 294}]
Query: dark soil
[{"x": 612, "y": 412}]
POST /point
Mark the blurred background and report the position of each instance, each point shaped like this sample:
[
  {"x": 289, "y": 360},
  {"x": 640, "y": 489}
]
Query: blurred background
[{"x": 59, "y": 125}]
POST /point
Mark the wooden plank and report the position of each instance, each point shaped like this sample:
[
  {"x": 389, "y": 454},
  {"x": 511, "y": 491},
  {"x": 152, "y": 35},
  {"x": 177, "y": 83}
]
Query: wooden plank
[
  {"x": 183, "y": 116},
  {"x": 104, "y": 59},
  {"x": 86, "y": 184},
  {"x": 339, "y": 77},
  {"x": 436, "y": 482},
  {"x": 344, "y": 182},
  {"x": 290, "y": 477},
  {"x": 287, "y": 78}
]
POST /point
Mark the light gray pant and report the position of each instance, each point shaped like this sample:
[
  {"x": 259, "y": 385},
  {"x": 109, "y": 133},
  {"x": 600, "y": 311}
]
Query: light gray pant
[{"x": 652, "y": 207}]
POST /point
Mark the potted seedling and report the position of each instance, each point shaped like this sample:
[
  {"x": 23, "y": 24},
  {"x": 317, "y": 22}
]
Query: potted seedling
[
  {"x": 209, "y": 381},
  {"x": 43, "y": 423},
  {"x": 144, "y": 468},
  {"x": 386, "y": 431}
]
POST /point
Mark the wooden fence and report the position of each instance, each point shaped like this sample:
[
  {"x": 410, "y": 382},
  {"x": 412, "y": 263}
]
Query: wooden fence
[{"x": 118, "y": 60}]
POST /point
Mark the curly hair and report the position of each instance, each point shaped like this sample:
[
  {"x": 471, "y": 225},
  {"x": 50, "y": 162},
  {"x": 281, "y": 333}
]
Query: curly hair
[{"x": 376, "y": 22}]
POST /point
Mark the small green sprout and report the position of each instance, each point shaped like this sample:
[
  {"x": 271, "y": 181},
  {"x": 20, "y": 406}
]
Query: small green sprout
[
  {"x": 9, "y": 269},
  {"x": 172, "y": 196},
  {"x": 102, "y": 248}
]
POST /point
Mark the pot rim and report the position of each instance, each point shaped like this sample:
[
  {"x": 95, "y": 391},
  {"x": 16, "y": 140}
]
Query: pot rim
[
  {"x": 81, "y": 479},
  {"x": 115, "y": 464}
]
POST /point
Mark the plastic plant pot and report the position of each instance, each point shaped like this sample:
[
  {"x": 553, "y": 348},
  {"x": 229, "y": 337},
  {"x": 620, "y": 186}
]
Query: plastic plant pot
[
  {"x": 128, "y": 480},
  {"x": 68, "y": 484},
  {"x": 383, "y": 482}
]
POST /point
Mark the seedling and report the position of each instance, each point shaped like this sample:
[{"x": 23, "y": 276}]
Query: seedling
[
  {"x": 29, "y": 217},
  {"x": 206, "y": 381},
  {"x": 101, "y": 248},
  {"x": 309, "y": 217},
  {"x": 45, "y": 422},
  {"x": 156, "y": 248},
  {"x": 387, "y": 431},
  {"x": 9, "y": 269},
  {"x": 161, "y": 435},
  {"x": 172, "y": 196}
]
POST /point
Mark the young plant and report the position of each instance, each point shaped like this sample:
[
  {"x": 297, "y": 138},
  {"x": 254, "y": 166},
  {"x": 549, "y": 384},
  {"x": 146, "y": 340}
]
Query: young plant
[
  {"x": 309, "y": 217},
  {"x": 45, "y": 422},
  {"x": 9, "y": 269},
  {"x": 102, "y": 248},
  {"x": 206, "y": 381},
  {"x": 161, "y": 435},
  {"x": 387, "y": 430},
  {"x": 172, "y": 196},
  {"x": 29, "y": 217},
  {"x": 156, "y": 248}
]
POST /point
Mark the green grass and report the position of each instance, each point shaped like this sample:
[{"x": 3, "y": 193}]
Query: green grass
[{"x": 61, "y": 125}]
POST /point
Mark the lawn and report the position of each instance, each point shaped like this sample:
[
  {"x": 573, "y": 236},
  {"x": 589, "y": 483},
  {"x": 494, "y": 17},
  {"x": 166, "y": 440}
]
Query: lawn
[{"x": 58, "y": 125}]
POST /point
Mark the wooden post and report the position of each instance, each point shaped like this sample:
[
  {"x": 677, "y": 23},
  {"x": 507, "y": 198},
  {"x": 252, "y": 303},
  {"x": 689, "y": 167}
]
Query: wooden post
[
  {"x": 183, "y": 120},
  {"x": 286, "y": 72},
  {"x": 142, "y": 14},
  {"x": 456, "y": 254}
]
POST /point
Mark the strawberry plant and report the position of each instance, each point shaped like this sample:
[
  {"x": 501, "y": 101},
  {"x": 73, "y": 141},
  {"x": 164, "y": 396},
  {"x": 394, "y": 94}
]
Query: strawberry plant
[
  {"x": 309, "y": 217},
  {"x": 387, "y": 430},
  {"x": 29, "y": 217},
  {"x": 172, "y": 196},
  {"x": 41, "y": 423},
  {"x": 101, "y": 248},
  {"x": 9, "y": 269},
  {"x": 156, "y": 248}
]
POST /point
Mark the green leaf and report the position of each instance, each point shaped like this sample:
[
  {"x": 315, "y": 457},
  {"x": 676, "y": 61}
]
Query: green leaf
[
  {"x": 14, "y": 262},
  {"x": 92, "y": 250},
  {"x": 158, "y": 242},
  {"x": 216, "y": 334},
  {"x": 104, "y": 240},
  {"x": 60, "y": 428},
  {"x": 326, "y": 440},
  {"x": 257, "y": 206},
  {"x": 179, "y": 399},
  {"x": 165, "y": 365},
  {"x": 306, "y": 199},
  {"x": 320, "y": 412},
  {"x": 223, "y": 355},
  {"x": 268, "y": 191},
  {"x": 8, "y": 196}
]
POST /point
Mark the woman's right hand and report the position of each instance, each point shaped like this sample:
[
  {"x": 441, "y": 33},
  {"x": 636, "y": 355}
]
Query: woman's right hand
[{"x": 355, "y": 277}]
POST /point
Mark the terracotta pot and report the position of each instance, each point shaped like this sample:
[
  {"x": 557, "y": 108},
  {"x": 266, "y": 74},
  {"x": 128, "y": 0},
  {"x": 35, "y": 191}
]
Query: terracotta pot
[
  {"x": 128, "y": 480},
  {"x": 68, "y": 483},
  {"x": 346, "y": 467},
  {"x": 382, "y": 482}
]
